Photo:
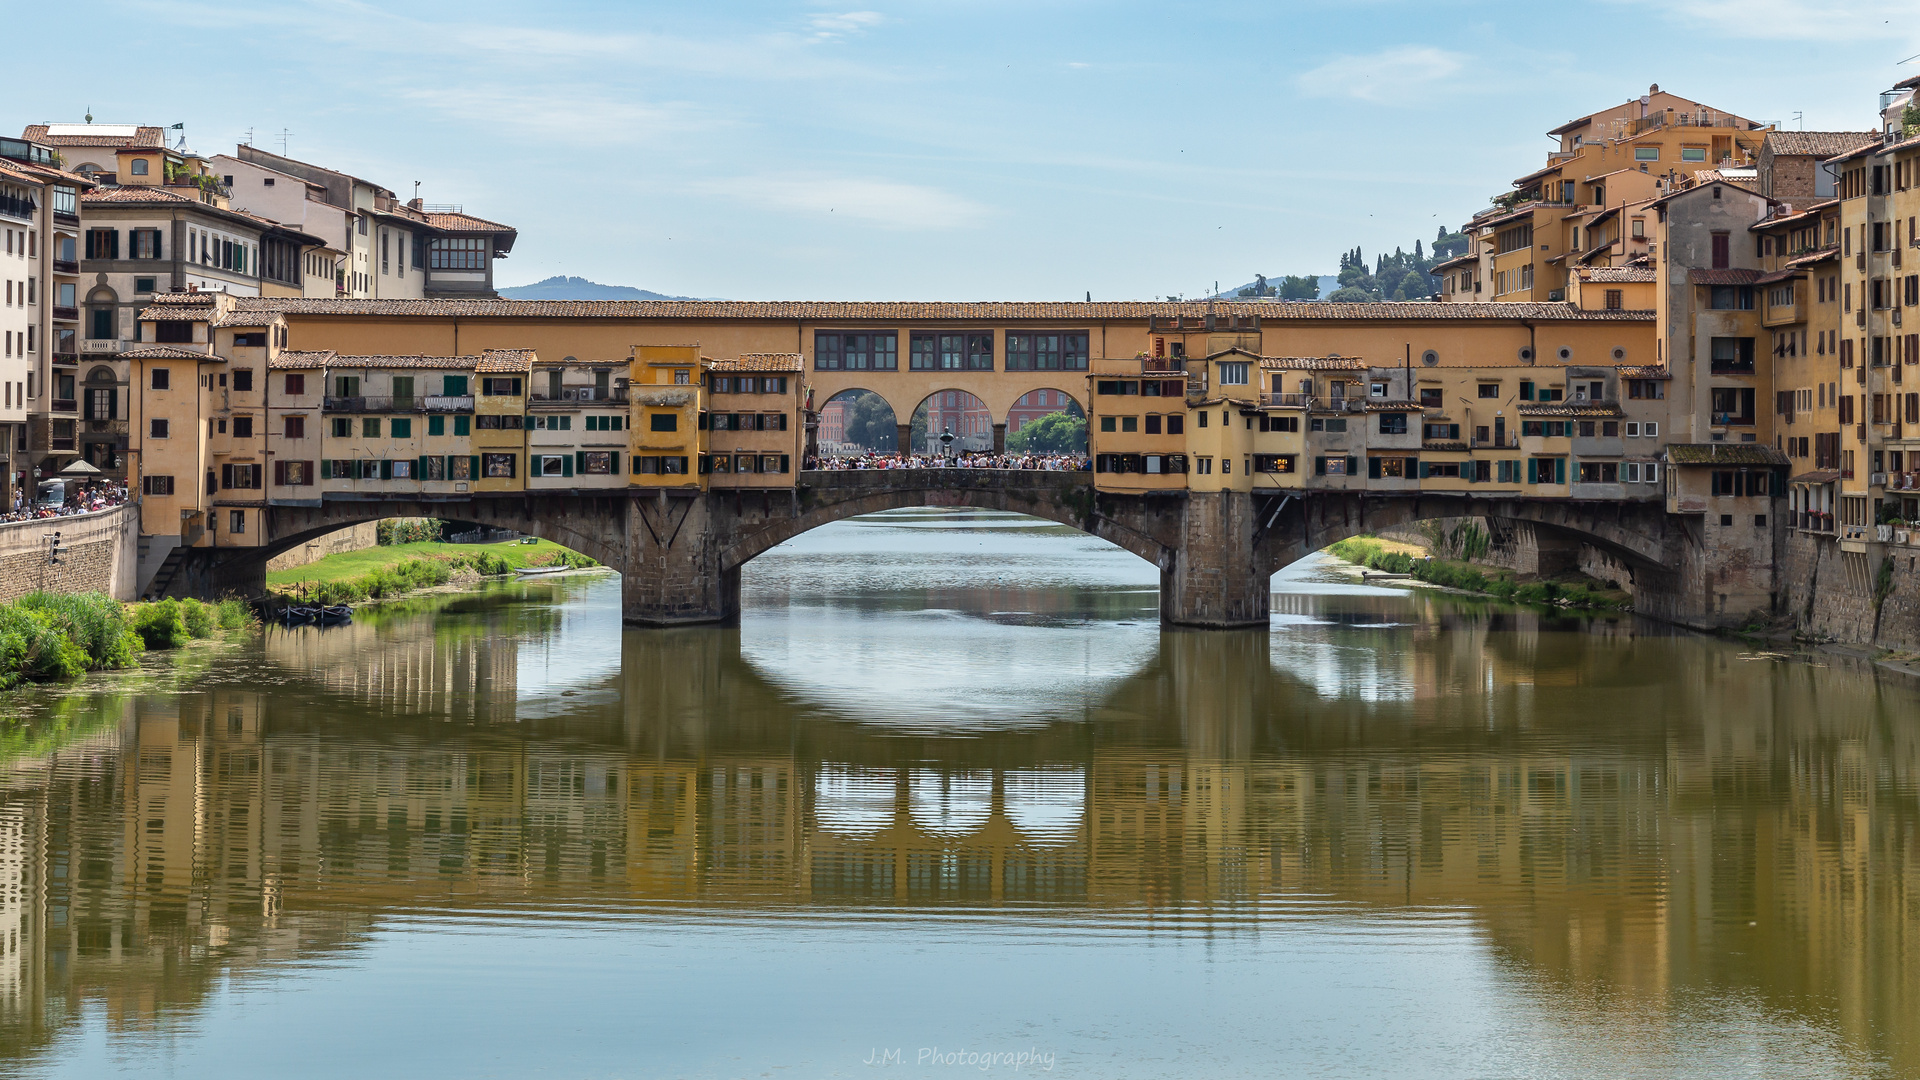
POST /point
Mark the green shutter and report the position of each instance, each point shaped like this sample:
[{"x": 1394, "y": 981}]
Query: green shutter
[
  {"x": 460, "y": 425},
  {"x": 326, "y": 469},
  {"x": 529, "y": 420},
  {"x": 436, "y": 425},
  {"x": 473, "y": 467},
  {"x": 613, "y": 463},
  {"x": 580, "y": 461},
  {"x": 516, "y": 388},
  {"x": 420, "y": 468},
  {"x": 1373, "y": 468},
  {"x": 1559, "y": 470},
  {"x": 386, "y": 469},
  {"x": 1353, "y": 465},
  {"x": 1423, "y": 470},
  {"x": 566, "y": 466},
  {"x": 455, "y": 385},
  {"x": 566, "y": 423}
]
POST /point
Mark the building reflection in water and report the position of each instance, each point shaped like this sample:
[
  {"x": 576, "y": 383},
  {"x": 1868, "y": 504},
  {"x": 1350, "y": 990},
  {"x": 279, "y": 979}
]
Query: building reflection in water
[{"x": 1629, "y": 817}]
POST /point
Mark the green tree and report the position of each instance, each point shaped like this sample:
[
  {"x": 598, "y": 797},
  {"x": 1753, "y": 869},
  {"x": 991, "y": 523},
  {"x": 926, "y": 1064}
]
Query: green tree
[
  {"x": 1300, "y": 287},
  {"x": 870, "y": 422},
  {"x": 1054, "y": 433}
]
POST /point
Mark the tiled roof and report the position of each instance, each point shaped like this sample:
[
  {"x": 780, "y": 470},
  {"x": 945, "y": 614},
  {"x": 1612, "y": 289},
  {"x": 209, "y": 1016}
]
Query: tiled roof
[
  {"x": 898, "y": 311},
  {"x": 1457, "y": 260},
  {"x": 1722, "y": 277},
  {"x": 1819, "y": 476},
  {"x": 450, "y": 363},
  {"x": 176, "y": 313},
  {"x": 1523, "y": 210},
  {"x": 1816, "y": 257},
  {"x": 1873, "y": 146},
  {"x": 1776, "y": 275},
  {"x": 1312, "y": 363},
  {"x": 1745, "y": 179},
  {"x": 465, "y": 223},
  {"x": 42, "y": 174},
  {"x": 241, "y": 318},
  {"x": 142, "y": 136},
  {"x": 759, "y": 362},
  {"x": 505, "y": 360},
  {"x": 1724, "y": 454},
  {"x": 142, "y": 194},
  {"x": 1823, "y": 144},
  {"x": 166, "y": 352},
  {"x": 1645, "y": 371},
  {"x": 1585, "y": 410},
  {"x": 301, "y": 361},
  {"x": 1614, "y": 275}
]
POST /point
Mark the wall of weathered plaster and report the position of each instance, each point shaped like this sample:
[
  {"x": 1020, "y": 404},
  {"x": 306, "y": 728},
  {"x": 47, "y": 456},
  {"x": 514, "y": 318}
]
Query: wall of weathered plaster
[{"x": 101, "y": 552}]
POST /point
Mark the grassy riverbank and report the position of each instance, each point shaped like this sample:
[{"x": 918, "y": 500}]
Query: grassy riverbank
[
  {"x": 1375, "y": 554},
  {"x": 390, "y": 570}
]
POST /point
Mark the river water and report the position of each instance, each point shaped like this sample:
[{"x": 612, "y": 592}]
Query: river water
[{"x": 949, "y": 801}]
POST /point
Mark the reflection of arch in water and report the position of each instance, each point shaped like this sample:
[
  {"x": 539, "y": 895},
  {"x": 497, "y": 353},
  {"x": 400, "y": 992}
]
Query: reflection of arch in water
[
  {"x": 851, "y": 422},
  {"x": 950, "y": 803},
  {"x": 1046, "y": 805},
  {"x": 956, "y": 411},
  {"x": 853, "y": 801}
]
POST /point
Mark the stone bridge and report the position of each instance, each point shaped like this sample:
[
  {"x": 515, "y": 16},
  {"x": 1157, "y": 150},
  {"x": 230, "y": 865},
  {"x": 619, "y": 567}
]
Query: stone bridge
[{"x": 680, "y": 552}]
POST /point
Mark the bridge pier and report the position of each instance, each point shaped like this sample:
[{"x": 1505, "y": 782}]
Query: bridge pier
[
  {"x": 672, "y": 573},
  {"x": 1214, "y": 578}
]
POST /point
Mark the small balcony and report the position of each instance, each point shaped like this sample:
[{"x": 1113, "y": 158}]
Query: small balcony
[
  {"x": 64, "y": 405},
  {"x": 66, "y": 314},
  {"x": 1814, "y": 522},
  {"x": 66, "y": 266},
  {"x": 102, "y": 345},
  {"x": 66, "y": 359},
  {"x": 1722, "y": 419},
  {"x": 429, "y": 403},
  {"x": 1287, "y": 401},
  {"x": 577, "y": 396}
]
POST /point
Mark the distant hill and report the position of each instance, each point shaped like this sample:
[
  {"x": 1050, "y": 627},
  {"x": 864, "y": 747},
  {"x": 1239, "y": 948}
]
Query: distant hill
[
  {"x": 1328, "y": 283},
  {"x": 579, "y": 288}
]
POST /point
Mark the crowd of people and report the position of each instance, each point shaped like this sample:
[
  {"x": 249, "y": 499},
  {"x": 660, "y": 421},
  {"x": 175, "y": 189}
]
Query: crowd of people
[
  {"x": 1027, "y": 462},
  {"x": 81, "y": 499}
]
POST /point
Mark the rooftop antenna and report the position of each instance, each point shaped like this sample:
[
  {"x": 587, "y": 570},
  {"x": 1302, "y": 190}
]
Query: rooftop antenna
[
  {"x": 1800, "y": 119},
  {"x": 249, "y": 137},
  {"x": 416, "y": 191},
  {"x": 284, "y": 135}
]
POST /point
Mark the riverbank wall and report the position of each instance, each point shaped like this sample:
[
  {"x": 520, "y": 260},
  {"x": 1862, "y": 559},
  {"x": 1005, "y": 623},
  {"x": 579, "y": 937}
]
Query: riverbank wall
[
  {"x": 352, "y": 538},
  {"x": 101, "y": 554},
  {"x": 1869, "y": 597}
]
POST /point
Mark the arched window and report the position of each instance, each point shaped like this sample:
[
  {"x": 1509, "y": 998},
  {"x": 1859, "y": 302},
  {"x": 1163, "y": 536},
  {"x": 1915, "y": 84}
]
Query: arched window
[{"x": 103, "y": 316}]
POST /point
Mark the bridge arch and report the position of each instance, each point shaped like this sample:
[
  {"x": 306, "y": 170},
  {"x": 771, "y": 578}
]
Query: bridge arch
[{"x": 1066, "y": 498}]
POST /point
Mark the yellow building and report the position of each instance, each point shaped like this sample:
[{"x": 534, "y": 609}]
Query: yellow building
[
  {"x": 755, "y": 434},
  {"x": 667, "y": 442}
]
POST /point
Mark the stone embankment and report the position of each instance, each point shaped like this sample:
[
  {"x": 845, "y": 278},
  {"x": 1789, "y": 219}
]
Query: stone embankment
[{"x": 101, "y": 552}]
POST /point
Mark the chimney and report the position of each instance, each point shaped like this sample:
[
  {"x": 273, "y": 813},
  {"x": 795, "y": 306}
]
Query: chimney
[{"x": 414, "y": 204}]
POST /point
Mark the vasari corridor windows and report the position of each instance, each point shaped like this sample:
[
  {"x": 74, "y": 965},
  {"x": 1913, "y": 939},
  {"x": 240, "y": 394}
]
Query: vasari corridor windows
[{"x": 835, "y": 350}]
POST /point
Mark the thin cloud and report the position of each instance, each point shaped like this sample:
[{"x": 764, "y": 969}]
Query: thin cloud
[
  {"x": 1393, "y": 75},
  {"x": 887, "y": 203},
  {"x": 829, "y": 26}
]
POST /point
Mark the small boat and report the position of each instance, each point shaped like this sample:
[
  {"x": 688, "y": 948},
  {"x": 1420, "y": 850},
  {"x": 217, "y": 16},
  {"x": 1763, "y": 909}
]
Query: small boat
[
  {"x": 336, "y": 613},
  {"x": 537, "y": 571}
]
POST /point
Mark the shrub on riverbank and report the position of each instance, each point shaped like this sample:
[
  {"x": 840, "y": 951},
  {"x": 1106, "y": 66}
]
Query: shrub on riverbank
[
  {"x": 46, "y": 637},
  {"x": 391, "y": 531},
  {"x": 1370, "y": 553}
]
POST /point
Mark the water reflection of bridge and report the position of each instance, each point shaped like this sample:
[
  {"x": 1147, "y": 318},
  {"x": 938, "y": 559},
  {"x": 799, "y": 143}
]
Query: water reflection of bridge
[{"x": 1761, "y": 837}]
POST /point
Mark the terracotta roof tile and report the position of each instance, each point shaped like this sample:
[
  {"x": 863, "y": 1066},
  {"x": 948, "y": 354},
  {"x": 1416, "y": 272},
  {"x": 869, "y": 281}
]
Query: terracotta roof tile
[
  {"x": 176, "y": 313},
  {"x": 1724, "y": 454},
  {"x": 505, "y": 360},
  {"x": 448, "y": 363},
  {"x": 1062, "y": 312},
  {"x": 1818, "y": 476},
  {"x": 1822, "y": 144},
  {"x": 755, "y": 362},
  {"x": 1312, "y": 363},
  {"x": 1614, "y": 275},
  {"x": 1816, "y": 257},
  {"x": 241, "y": 318},
  {"x": 291, "y": 360},
  {"x": 465, "y": 223},
  {"x": 142, "y": 195},
  {"x": 1582, "y": 409},
  {"x": 1645, "y": 371},
  {"x": 1698, "y": 276},
  {"x": 182, "y": 298},
  {"x": 1524, "y": 210},
  {"x": 167, "y": 352},
  {"x": 1457, "y": 260},
  {"x": 142, "y": 136}
]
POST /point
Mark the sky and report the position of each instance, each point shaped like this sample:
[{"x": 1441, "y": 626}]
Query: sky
[{"x": 961, "y": 150}]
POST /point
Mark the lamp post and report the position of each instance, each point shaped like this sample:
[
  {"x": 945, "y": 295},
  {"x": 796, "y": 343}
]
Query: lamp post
[{"x": 946, "y": 444}]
